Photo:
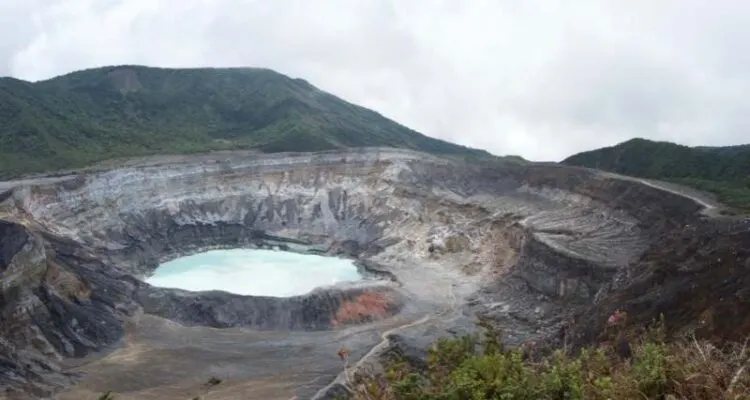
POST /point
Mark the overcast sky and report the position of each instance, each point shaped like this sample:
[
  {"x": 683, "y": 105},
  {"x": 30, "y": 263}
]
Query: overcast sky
[{"x": 539, "y": 78}]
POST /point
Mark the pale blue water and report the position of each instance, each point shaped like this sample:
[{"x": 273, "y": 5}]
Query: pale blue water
[{"x": 254, "y": 272}]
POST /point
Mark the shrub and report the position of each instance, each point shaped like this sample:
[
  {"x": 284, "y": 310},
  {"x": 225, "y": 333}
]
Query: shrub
[{"x": 474, "y": 368}]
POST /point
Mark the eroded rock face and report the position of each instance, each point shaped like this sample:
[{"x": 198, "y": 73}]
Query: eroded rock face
[
  {"x": 524, "y": 244},
  {"x": 322, "y": 309},
  {"x": 55, "y": 304},
  {"x": 695, "y": 278}
]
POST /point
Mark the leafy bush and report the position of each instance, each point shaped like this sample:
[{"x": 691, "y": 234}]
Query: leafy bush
[{"x": 470, "y": 368}]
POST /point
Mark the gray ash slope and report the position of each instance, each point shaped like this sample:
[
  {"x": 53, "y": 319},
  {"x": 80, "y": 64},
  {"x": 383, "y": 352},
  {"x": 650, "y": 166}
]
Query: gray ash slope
[{"x": 523, "y": 243}]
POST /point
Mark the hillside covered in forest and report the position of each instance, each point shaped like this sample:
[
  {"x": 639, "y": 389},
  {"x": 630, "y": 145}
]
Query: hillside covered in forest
[
  {"x": 122, "y": 111},
  {"x": 723, "y": 171}
]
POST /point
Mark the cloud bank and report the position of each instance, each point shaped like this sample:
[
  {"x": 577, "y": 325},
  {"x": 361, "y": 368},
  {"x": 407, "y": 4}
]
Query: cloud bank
[{"x": 539, "y": 78}]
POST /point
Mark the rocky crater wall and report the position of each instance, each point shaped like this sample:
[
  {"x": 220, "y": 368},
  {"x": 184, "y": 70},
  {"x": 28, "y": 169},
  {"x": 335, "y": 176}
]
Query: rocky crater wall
[{"x": 506, "y": 238}]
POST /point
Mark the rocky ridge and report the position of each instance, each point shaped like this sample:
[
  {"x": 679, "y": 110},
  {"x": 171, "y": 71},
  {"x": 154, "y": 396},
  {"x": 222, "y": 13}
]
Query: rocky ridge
[{"x": 525, "y": 244}]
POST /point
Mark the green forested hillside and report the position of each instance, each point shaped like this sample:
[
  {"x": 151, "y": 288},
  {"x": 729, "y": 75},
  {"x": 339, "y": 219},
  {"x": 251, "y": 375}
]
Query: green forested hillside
[
  {"x": 92, "y": 115},
  {"x": 724, "y": 171}
]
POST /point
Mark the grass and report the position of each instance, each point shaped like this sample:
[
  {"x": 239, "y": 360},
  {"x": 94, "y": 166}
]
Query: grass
[{"x": 648, "y": 367}]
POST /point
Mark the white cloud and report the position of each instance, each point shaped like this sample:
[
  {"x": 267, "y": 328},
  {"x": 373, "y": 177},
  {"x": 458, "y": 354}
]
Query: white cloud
[{"x": 540, "y": 78}]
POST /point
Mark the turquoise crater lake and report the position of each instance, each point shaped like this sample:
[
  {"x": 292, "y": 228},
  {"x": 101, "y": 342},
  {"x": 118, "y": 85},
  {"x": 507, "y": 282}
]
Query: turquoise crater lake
[{"x": 254, "y": 272}]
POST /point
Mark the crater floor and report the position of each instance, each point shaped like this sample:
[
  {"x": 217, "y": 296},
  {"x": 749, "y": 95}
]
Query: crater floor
[{"x": 524, "y": 244}]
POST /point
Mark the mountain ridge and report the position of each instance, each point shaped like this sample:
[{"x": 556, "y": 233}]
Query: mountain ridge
[
  {"x": 720, "y": 170},
  {"x": 91, "y": 115}
]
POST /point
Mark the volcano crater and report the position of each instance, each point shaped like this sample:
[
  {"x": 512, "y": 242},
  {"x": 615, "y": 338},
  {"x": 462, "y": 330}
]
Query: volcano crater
[{"x": 440, "y": 239}]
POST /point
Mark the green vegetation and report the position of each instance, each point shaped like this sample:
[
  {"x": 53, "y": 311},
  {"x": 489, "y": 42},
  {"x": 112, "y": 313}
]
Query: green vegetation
[
  {"x": 650, "y": 367},
  {"x": 92, "y": 115},
  {"x": 723, "y": 171}
]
